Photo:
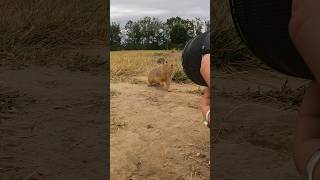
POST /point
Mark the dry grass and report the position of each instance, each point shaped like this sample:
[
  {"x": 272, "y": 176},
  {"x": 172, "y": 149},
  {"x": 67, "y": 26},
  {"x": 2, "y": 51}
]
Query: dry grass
[
  {"x": 114, "y": 92},
  {"x": 199, "y": 91},
  {"x": 230, "y": 52},
  {"x": 124, "y": 65},
  {"x": 32, "y": 31},
  {"x": 285, "y": 97},
  {"x": 116, "y": 124}
]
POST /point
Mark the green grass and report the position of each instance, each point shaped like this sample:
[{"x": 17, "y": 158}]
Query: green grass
[{"x": 179, "y": 76}]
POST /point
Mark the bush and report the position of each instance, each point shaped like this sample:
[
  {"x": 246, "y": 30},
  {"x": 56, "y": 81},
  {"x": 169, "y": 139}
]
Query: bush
[{"x": 179, "y": 76}]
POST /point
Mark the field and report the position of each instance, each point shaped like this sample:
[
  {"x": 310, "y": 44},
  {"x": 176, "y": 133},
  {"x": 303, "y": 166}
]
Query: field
[
  {"x": 53, "y": 62},
  {"x": 155, "y": 134}
]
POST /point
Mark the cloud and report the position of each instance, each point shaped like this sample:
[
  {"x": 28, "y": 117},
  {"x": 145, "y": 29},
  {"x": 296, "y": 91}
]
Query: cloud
[
  {"x": 118, "y": 12},
  {"x": 124, "y": 10}
]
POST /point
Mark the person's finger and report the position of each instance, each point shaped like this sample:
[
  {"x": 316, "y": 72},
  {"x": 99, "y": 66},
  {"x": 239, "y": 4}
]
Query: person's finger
[{"x": 205, "y": 102}]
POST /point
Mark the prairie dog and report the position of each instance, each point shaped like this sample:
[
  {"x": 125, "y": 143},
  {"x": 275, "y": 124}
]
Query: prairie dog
[
  {"x": 161, "y": 61},
  {"x": 161, "y": 75}
]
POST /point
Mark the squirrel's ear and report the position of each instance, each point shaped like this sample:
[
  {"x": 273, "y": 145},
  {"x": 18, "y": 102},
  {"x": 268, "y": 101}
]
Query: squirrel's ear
[{"x": 160, "y": 61}]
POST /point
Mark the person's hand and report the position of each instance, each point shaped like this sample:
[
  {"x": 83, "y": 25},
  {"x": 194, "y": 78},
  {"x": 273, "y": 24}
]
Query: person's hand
[{"x": 205, "y": 103}]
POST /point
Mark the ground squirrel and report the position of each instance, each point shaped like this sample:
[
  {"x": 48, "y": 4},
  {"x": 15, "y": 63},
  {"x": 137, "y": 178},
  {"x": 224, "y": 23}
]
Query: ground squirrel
[{"x": 162, "y": 75}]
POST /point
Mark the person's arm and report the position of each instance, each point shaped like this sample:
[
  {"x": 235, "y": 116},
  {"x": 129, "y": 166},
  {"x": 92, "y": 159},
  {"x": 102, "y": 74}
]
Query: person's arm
[
  {"x": 205, "y": 68},
  {"x": 308, "y": 129},
  {"x": 205, "y": 103},
  {"x": 205, "y": 73},
  {"x": 304, "y": 31}
]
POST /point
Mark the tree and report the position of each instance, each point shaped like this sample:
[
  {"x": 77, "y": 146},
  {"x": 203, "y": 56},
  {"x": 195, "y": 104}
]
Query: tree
[
  {"x": 180, "y": 30},
  {"x": 146, "y": 33},
  {"x": 179, "y": 34},
  {"x": 207, "y": 25},
  {"x": 115, "y": 36},
  {"x": 134, "y": 35},
  {"x": 198, "y": 26},
  {"x": 152, "y": 33}
]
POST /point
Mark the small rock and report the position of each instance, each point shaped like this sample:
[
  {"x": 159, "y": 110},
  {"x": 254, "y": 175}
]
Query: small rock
[{"x": 200, "y": 155}]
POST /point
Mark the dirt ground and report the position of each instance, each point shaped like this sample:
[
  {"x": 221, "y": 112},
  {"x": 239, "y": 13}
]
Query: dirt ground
[
  {"x": 157, "y": 134},
  {"x": 254, "y": 130},
  {"x": 53, "y": 124}
]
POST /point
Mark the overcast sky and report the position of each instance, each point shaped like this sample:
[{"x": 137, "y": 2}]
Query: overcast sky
[{"x": 123, "y": 10}]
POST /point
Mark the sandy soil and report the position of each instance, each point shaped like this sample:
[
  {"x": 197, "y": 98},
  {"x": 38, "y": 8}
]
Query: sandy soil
[
  {"x": 53, "y": 124},
  {"x": 254, "y": 141},
  {"x": 157, "y": 134}
]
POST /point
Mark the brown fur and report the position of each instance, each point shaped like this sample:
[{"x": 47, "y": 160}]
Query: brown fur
[
  {"x": 161, "y": 75},
  {"x": 161, "y": 61}
]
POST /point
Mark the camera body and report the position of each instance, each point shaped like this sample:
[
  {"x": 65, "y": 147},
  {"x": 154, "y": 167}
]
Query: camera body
[
  {"x": 263, "y": 27},
  {"x": 192, "y": 56}
]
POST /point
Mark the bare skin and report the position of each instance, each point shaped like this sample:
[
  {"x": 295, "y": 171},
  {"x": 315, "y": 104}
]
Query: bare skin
[
  {"x": 205, "y": 72},
  {"x": 304, "y": 31},
  {"x": 308, "y": 129},
  {"x": 205, "y": 68}
]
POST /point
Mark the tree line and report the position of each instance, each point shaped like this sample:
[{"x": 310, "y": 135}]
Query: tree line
[{"x": 150, "y": 33}]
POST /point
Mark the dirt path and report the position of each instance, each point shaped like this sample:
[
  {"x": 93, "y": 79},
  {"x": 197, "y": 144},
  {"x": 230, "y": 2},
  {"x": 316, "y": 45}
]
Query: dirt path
[
  {"x": 256, "y": 135},
  {"x": 157, "y": 134},
  {"x": 53, "y": 124}
]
